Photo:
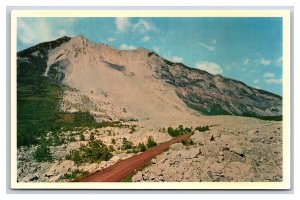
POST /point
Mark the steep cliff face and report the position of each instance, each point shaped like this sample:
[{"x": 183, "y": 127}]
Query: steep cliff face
[
  {"x": 138, "y": 84},
  {"x": 214, "y": 94}
]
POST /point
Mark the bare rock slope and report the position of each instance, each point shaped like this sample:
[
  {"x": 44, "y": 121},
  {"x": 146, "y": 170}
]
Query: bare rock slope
[
  {"x": 228, "y": 152},
  {"x": 114, "y": 84}
]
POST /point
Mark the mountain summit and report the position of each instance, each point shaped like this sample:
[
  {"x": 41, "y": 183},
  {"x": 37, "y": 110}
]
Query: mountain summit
[{"x": 138, "y": 84}]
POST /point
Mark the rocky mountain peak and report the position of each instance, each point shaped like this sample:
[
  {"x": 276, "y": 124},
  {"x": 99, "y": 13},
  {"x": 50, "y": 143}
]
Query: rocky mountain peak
[{"x": 131, "y": 79}]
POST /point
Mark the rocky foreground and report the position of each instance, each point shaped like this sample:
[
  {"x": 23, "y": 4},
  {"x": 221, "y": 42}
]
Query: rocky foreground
[
  {"x": 222, "y": 155},
  {"x": 61, "y": 169},
  {"x": 235, "y": 149}
]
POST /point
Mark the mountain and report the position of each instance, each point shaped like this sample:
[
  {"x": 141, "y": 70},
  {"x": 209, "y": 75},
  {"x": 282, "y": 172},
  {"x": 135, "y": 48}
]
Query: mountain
[{"x": 131, "y": 84}]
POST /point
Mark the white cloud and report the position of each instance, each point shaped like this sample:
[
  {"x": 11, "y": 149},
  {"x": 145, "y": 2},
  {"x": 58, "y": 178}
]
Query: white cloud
[
  {"x": 30, "y": 32},
  {"x": 122, "y": 24},
  {"x": 265, "y": 61},
  {"x": 62, "y": 33},
  {"x": 273, "y": 81},
  {"x": 210, "y": 67},
  {"x": 143, "y": 26},
  {"x": 176, "y": 59},
  {"x": 127, "y": 47},
  {"x": 37, "y": 30},
  {"x": 256, "y": 81},
  {"x": 146, "y": 38},
  {"x": 270, "y": 78},
  {"x": 210, "y": 45},
  {"x": 269, "y": 75},
  {"x": 278, "y": 61},
  {"x": 111, "y": 39},
  {"x": 206, "y": 46},
  {"x": 246, "y": 61},
  {"x": 156, "y": 49},
  {"x": 257, "y": 87}
]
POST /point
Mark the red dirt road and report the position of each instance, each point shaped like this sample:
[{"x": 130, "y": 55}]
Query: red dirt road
[{"x": 120, "y": 170}]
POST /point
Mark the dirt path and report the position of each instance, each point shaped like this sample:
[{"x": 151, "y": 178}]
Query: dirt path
[{"x": 120, "y": 170}]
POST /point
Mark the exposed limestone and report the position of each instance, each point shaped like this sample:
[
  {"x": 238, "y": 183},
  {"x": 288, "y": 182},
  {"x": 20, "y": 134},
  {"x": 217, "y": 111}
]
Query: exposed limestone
[
  {"x": 234, "y": 155},
  {"x": 176, "y": 147}
]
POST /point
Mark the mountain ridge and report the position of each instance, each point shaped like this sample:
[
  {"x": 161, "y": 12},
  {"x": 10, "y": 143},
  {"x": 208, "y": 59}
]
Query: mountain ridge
[
  {"x": 67, "y": 38},
  {"x": 198, "y": 89}
]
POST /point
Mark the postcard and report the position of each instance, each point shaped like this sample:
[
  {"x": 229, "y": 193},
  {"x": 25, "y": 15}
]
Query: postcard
[{"x": 150, "y": 99}]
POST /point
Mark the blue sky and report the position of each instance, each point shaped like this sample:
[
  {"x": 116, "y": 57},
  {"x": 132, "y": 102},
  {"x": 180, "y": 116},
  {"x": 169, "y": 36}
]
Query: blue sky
[{"x": 246, "y": 49}]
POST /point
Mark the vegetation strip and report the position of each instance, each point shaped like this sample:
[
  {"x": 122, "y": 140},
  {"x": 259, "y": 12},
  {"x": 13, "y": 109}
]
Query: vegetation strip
[{"x": 122, "y": 169}]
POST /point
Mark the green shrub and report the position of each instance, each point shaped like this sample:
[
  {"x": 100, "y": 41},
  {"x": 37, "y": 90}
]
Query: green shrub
[
  {"x": 202, "y": 128},
  {"x": 82, "y": 138},
  {"x": 26, "y": 135},
  {"x": 127, "y": 178},
  {"x": 174, "y": 132},
  {"x": 141, "y": 147},
  {"x": 111, "y": 148},
  {"x": 113, "y": 141},
  {"x": 126, "y": 144},
  {"x": 92, "y": 137},
  {"x": 109, "y": 133},
  {"x": 150, "y": 142},
  {"x": 72, "y": 139},
  {"x": 94, "y": 151},
  {"x": 74, "y": 175},
  {"x": 76, "y": 156},
  {"x": 56, "y": 140},
  {"x": 132, "y": 129},
  {"x": 187, "y": 142},
  {"x": 43, "y": 154}
]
